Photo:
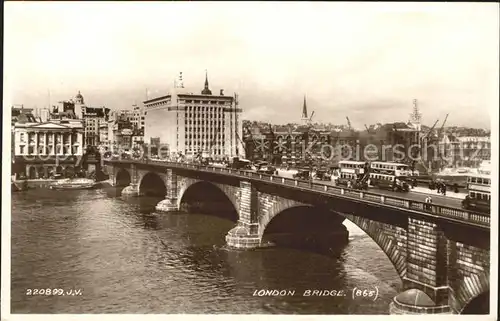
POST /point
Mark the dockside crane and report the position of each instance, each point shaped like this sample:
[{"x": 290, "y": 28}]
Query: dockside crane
[
  {"x": 310, "y": 118},
  {"x": 422, "y": 139},
  {"x": 442, "y": 126},
  {"x": 430, "y": 130},
  {"x": 348, "y": 122}
]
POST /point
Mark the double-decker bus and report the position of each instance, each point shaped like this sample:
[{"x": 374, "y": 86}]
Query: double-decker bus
[
  {"x": 388, "y": 175},
  {"x": 352, "y": 171},
  {"x": 479, "y": 193}
]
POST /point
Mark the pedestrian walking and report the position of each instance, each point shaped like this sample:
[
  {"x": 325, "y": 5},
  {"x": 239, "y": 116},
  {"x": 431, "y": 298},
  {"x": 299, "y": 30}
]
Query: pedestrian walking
[
  {"x": 428, "y": 203},
  {"x": 444, "y": 189}
]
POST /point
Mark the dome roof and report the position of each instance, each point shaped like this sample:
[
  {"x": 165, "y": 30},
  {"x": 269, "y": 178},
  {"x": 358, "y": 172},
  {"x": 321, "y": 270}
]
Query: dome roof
[
  {"x": 79, "y": 95},
  {"x": 415, "y": 297},
  {"x": 239, "y": 231}
]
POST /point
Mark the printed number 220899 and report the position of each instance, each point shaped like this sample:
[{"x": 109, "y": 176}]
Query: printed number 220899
[{"x": 53, "y": 292}]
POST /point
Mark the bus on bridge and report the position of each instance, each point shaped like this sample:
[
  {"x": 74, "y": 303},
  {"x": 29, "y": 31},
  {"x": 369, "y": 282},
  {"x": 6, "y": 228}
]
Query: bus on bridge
[
  {"x": 353, "y": 172},
  {"x": 479, "y": 193},
  {"x": 388, "y": 175}
]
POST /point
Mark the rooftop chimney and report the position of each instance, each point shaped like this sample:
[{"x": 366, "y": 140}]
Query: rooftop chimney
[{"x": 222, "y": 92}]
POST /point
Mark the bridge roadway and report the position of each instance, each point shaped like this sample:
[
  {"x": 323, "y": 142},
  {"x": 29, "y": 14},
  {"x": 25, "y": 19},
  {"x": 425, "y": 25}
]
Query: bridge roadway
[
  {"x": 414, "y": 196},
  {"x": 441, "y": 207}
]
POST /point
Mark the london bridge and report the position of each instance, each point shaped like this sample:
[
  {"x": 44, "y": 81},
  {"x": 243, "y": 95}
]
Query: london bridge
[{"x": 430, "y": 248}]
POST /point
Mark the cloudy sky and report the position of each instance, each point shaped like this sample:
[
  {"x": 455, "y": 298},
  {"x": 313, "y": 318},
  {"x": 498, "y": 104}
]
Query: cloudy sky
[{"x": 365, "y": 61}]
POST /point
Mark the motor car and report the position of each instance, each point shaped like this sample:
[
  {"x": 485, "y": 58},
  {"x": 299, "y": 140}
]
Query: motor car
[
  {"x": 323, "y": 175},
  {"x": 477, "y": 205},
  {"x": 259, "y": 164},
  {"x": 360, "y": 185},
  {"x": 302, "y": 174},
  {"x": 270, "y": 170}
]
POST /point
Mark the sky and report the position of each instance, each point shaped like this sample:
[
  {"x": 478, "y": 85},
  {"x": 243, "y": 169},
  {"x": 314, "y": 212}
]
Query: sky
[{"x": 367, "y": 61}]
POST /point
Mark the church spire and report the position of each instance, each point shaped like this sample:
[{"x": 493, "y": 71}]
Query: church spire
[
  {"x": 206, "y": 90},
  {"x": 304, "y": 109}
]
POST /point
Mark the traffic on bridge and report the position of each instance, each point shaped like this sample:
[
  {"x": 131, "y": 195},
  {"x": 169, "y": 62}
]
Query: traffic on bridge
[{"x": 445, "y": 207}]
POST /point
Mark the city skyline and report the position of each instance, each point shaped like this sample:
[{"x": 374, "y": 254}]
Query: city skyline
[{"x": 380, "y": 57}]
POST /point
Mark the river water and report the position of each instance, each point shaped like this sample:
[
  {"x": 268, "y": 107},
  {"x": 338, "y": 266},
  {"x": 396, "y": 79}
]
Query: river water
[{"x": 113, "y": 255}]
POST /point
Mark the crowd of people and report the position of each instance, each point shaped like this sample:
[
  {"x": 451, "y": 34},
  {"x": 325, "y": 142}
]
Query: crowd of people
[{"x": 441, "y": 187}]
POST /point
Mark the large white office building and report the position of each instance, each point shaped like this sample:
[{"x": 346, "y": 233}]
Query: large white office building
[{"x": 192, "y": 123}]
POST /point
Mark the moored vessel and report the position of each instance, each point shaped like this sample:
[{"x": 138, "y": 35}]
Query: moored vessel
[{"x": 76, "y": 183}]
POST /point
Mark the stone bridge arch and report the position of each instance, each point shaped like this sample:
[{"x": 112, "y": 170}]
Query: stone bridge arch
[
  {"x": 469, "y": 280},
  {"x": 270, "y": 206},
  {"x": 389, "y": 238},
  {"x": 152, "y": 183},
  {"x": 478, "y": 304},
  {"x": 232, "y": 193},
  {"x": 122, "y": 177}
]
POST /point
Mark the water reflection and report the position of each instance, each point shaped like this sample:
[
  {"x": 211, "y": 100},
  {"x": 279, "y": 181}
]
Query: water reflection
[{"x": 128, "y": 259}]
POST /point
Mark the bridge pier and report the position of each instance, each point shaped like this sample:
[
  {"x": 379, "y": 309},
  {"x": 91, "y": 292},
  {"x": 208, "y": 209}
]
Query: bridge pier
[
  {"x": 425, "y": 283},
  {"x": 246, "y": 233},
  {"x": 131, "y": 190},
  {"x": 415, "y": 301},
  {"x": 243, "y": 237},
  {"x": 170, "y": 203}
]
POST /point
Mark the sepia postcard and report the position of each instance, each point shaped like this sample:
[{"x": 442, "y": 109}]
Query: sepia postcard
[{"x": 253, "y": 160}]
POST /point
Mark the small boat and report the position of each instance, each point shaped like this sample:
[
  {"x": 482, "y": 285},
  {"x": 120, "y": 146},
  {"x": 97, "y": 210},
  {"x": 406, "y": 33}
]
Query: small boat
[
  {"x": 19, "y": 186},
  {"x": 76, "y": 183}
]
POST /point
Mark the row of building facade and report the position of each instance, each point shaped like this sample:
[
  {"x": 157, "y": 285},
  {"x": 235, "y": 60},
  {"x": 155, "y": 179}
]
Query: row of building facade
[
  {"x": 181, "y": 122},
  {"x": 190, "y": 124},
  {"x": 47, "y": 140},
  {"x": 305, "y": 144}
]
